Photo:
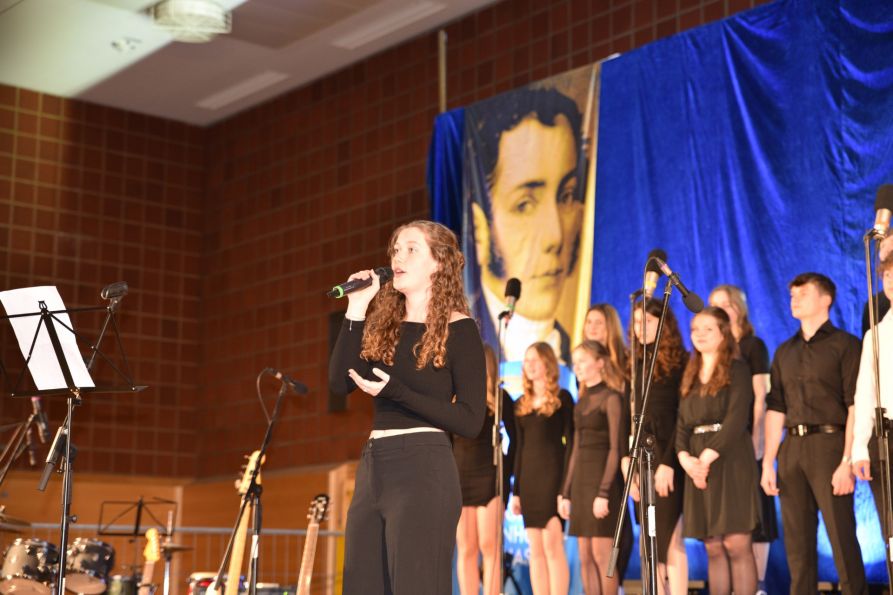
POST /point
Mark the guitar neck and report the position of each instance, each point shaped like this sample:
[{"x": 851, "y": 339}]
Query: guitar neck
[
  {"x": 307, "y": 559},
  {"x": 146, "y": 581},
  {"x": 234, "y": 573}
]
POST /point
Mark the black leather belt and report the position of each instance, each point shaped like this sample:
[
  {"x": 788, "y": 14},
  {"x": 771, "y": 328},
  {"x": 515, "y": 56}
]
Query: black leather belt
[{"x": 803, "y": 430}]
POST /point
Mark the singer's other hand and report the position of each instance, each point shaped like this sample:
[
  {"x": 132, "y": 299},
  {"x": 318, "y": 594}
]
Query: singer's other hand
[
  {"x": 600, "y": 508},
  {"x": 358, "y": 301},
  {"x": 515, "y": 505},
  {"x": 370, "y": 387},
  {"x": 769, "y": 479}
]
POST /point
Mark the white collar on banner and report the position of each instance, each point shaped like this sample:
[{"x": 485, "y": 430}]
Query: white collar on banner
[{"x": 521, "y": 332}]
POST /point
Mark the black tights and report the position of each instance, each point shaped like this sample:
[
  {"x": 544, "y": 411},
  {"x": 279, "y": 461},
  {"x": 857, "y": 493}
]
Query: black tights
[
  {"x": 595, "y": 554},
  {"x": 730, "y": 564}
]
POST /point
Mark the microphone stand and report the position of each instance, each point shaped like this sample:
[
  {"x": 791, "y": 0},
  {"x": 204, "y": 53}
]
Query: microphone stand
[
  {"x": 499, "y": 560},
  {"x": 880, "y": 426},
  {"x": 645, "y": 468},
  {"x": 252, "y": 498}
]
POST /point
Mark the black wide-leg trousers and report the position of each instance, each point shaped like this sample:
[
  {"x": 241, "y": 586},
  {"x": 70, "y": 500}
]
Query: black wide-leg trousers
[{"x": 401, "y": 524}]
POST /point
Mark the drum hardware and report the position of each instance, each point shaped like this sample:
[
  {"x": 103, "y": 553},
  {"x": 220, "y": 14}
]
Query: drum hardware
[
  {"x": 88, "y": 566},
  {"x": 29, "y": 567},
  {"x": 11, "y": 524}
]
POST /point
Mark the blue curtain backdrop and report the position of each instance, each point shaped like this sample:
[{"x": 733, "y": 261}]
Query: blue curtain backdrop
[{"x": 750, "y": 150}]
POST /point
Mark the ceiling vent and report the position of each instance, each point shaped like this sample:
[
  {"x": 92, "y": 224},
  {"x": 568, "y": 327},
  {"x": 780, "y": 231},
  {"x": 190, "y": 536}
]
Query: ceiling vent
[{"x": 192, "y": 21}]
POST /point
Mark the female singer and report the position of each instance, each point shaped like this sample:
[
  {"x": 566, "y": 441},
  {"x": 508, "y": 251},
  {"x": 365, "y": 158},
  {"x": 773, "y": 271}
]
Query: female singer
[
  {"x": 603, "y": 324},
  {"x": 544, "y": 420},
  {"x": 755, "y": 354},
  {"x": 721, "y": 504},
  {"x": 592, "y": 482},
  {"x": 420, "y": 356},
  {"x": 660, "y": 422},
  {"x": 480, "y": 524}
]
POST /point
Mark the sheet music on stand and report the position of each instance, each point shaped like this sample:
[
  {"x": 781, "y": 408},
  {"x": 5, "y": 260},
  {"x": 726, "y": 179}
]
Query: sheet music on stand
[{"x": 43, "y": 364}]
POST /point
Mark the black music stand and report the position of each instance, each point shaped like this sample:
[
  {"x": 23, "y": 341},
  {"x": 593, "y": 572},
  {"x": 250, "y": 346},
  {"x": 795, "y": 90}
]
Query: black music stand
[{"x": 62, "y": 451}]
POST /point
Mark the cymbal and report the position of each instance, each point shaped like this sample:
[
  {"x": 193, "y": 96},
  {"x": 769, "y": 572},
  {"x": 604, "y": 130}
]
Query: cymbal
[{"x": 175, "y": 547}]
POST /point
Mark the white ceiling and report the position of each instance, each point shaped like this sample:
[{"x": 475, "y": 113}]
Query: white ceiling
[{"x": 67, "y": 48}]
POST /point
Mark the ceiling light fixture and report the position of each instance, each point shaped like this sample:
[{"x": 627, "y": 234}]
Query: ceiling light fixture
[{"x": 192, "y": 21}]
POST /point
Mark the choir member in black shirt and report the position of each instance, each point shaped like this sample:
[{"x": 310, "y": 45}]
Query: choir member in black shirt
[
  {"x": 755, "y": 354},
  {"x": 544, "y": 423},
  {"x": 420, "y": 356},
  {"x": 481, "y": 521},
  {"x": 813, "y": 380},
  {"x": 592, "y": 491},
  {"x": 721, "y": 504},
  {"x": 660, "y": 422}
]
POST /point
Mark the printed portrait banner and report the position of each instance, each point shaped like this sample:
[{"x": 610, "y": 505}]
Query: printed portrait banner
[{"x": 527, "y": 213}]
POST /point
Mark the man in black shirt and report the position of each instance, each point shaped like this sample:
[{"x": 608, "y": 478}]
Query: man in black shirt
[{"x": 813, "y": 379}]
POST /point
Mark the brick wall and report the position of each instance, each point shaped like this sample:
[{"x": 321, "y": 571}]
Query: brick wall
[
  {"x": 88, "y": 196},
  {"x": 230, "y": 236}
]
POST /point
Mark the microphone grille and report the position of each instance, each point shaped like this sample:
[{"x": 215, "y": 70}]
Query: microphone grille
[
  {"x": 385, "y": 274},
  {"x": 656, "y": 253},
  {"x": 884, "y": 199},
  {"x": 513, "y": 288}
]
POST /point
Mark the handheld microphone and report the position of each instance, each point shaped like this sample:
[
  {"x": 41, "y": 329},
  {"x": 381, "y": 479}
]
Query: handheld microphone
[
  {"x": 296, "y": 386},
  {"x": 114, "y": 290},
  {"x": 652, "y": 271},
  {"x": 385, "y": 274},
  {"x": 692, "y": 301},
  {"x": 40, "y": 417},
  {"x": 512, "y": 294},
  {"x": 883, "y": 205}
]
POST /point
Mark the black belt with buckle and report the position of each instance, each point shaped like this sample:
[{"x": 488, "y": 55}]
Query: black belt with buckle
[{"x": 803, "y": 429}]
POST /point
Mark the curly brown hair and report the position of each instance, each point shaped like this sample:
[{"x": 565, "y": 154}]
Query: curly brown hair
[
  {"x": 388, "y": 307},
  {"x": 524, "y": 405},
  {"x": 728, "y": 351},
  {"x": 672, "y": 353}
]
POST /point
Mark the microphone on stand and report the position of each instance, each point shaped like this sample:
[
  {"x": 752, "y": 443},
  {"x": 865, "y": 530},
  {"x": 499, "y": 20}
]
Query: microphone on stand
[
  {"x": 512, "y": 294},
  {"x": 692, "y": 300},
  {"x": 652, "y": 271},
  {"x": 385, "y": 274},
  {"x": 883, "y": 205},
  {"x": 29, "y": 445},
  {"x": 296, "y": 386},
  {"x": 114, "y": 292}
]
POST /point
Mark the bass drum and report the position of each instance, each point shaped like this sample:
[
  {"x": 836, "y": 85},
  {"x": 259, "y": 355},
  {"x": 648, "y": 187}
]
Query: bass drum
[
  {"x": 29, "y": 567},
  {"x": 88, "y": 565}
]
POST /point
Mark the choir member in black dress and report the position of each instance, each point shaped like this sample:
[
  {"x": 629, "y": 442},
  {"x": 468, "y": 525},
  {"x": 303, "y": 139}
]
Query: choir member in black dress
[
  {"x": 544, "y": 420},
  {"x": 593, "y": 490},
  {"x": 420, "y": 356},
  {"x": 480, "y": 523},
  {"x": 602, "y": 324},
  {"x": 660, "y": 422},
  {"x": 755, "y": 354},
  {"x": 721, "y": 503}
]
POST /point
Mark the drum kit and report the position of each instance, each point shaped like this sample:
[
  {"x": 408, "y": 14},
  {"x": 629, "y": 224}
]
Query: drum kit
[{"x": 31, "y": 565}]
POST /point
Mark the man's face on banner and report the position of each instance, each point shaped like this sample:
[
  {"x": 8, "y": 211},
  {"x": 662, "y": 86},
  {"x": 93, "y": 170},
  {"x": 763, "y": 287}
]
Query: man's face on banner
[{"x": 536, "y": 220}]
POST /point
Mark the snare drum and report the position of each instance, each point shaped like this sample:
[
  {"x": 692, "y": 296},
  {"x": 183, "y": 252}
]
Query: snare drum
[
  {"x": 88, "y": 566},
  {"x": 29, "y": 567}
]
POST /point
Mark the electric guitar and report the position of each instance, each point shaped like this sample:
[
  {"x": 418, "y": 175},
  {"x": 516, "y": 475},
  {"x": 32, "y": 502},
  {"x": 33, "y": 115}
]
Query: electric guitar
[
  {"x": 319, "y": 506},
  {"x": 151, "y": 553}
]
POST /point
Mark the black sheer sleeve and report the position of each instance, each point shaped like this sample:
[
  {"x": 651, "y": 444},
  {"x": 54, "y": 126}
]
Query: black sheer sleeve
[
  {"x": 567, "y": 420},
  {"x": 519, "y": 455},
  {"x": 614, "y": 411},
  {"x": 508, "y": 422}
]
